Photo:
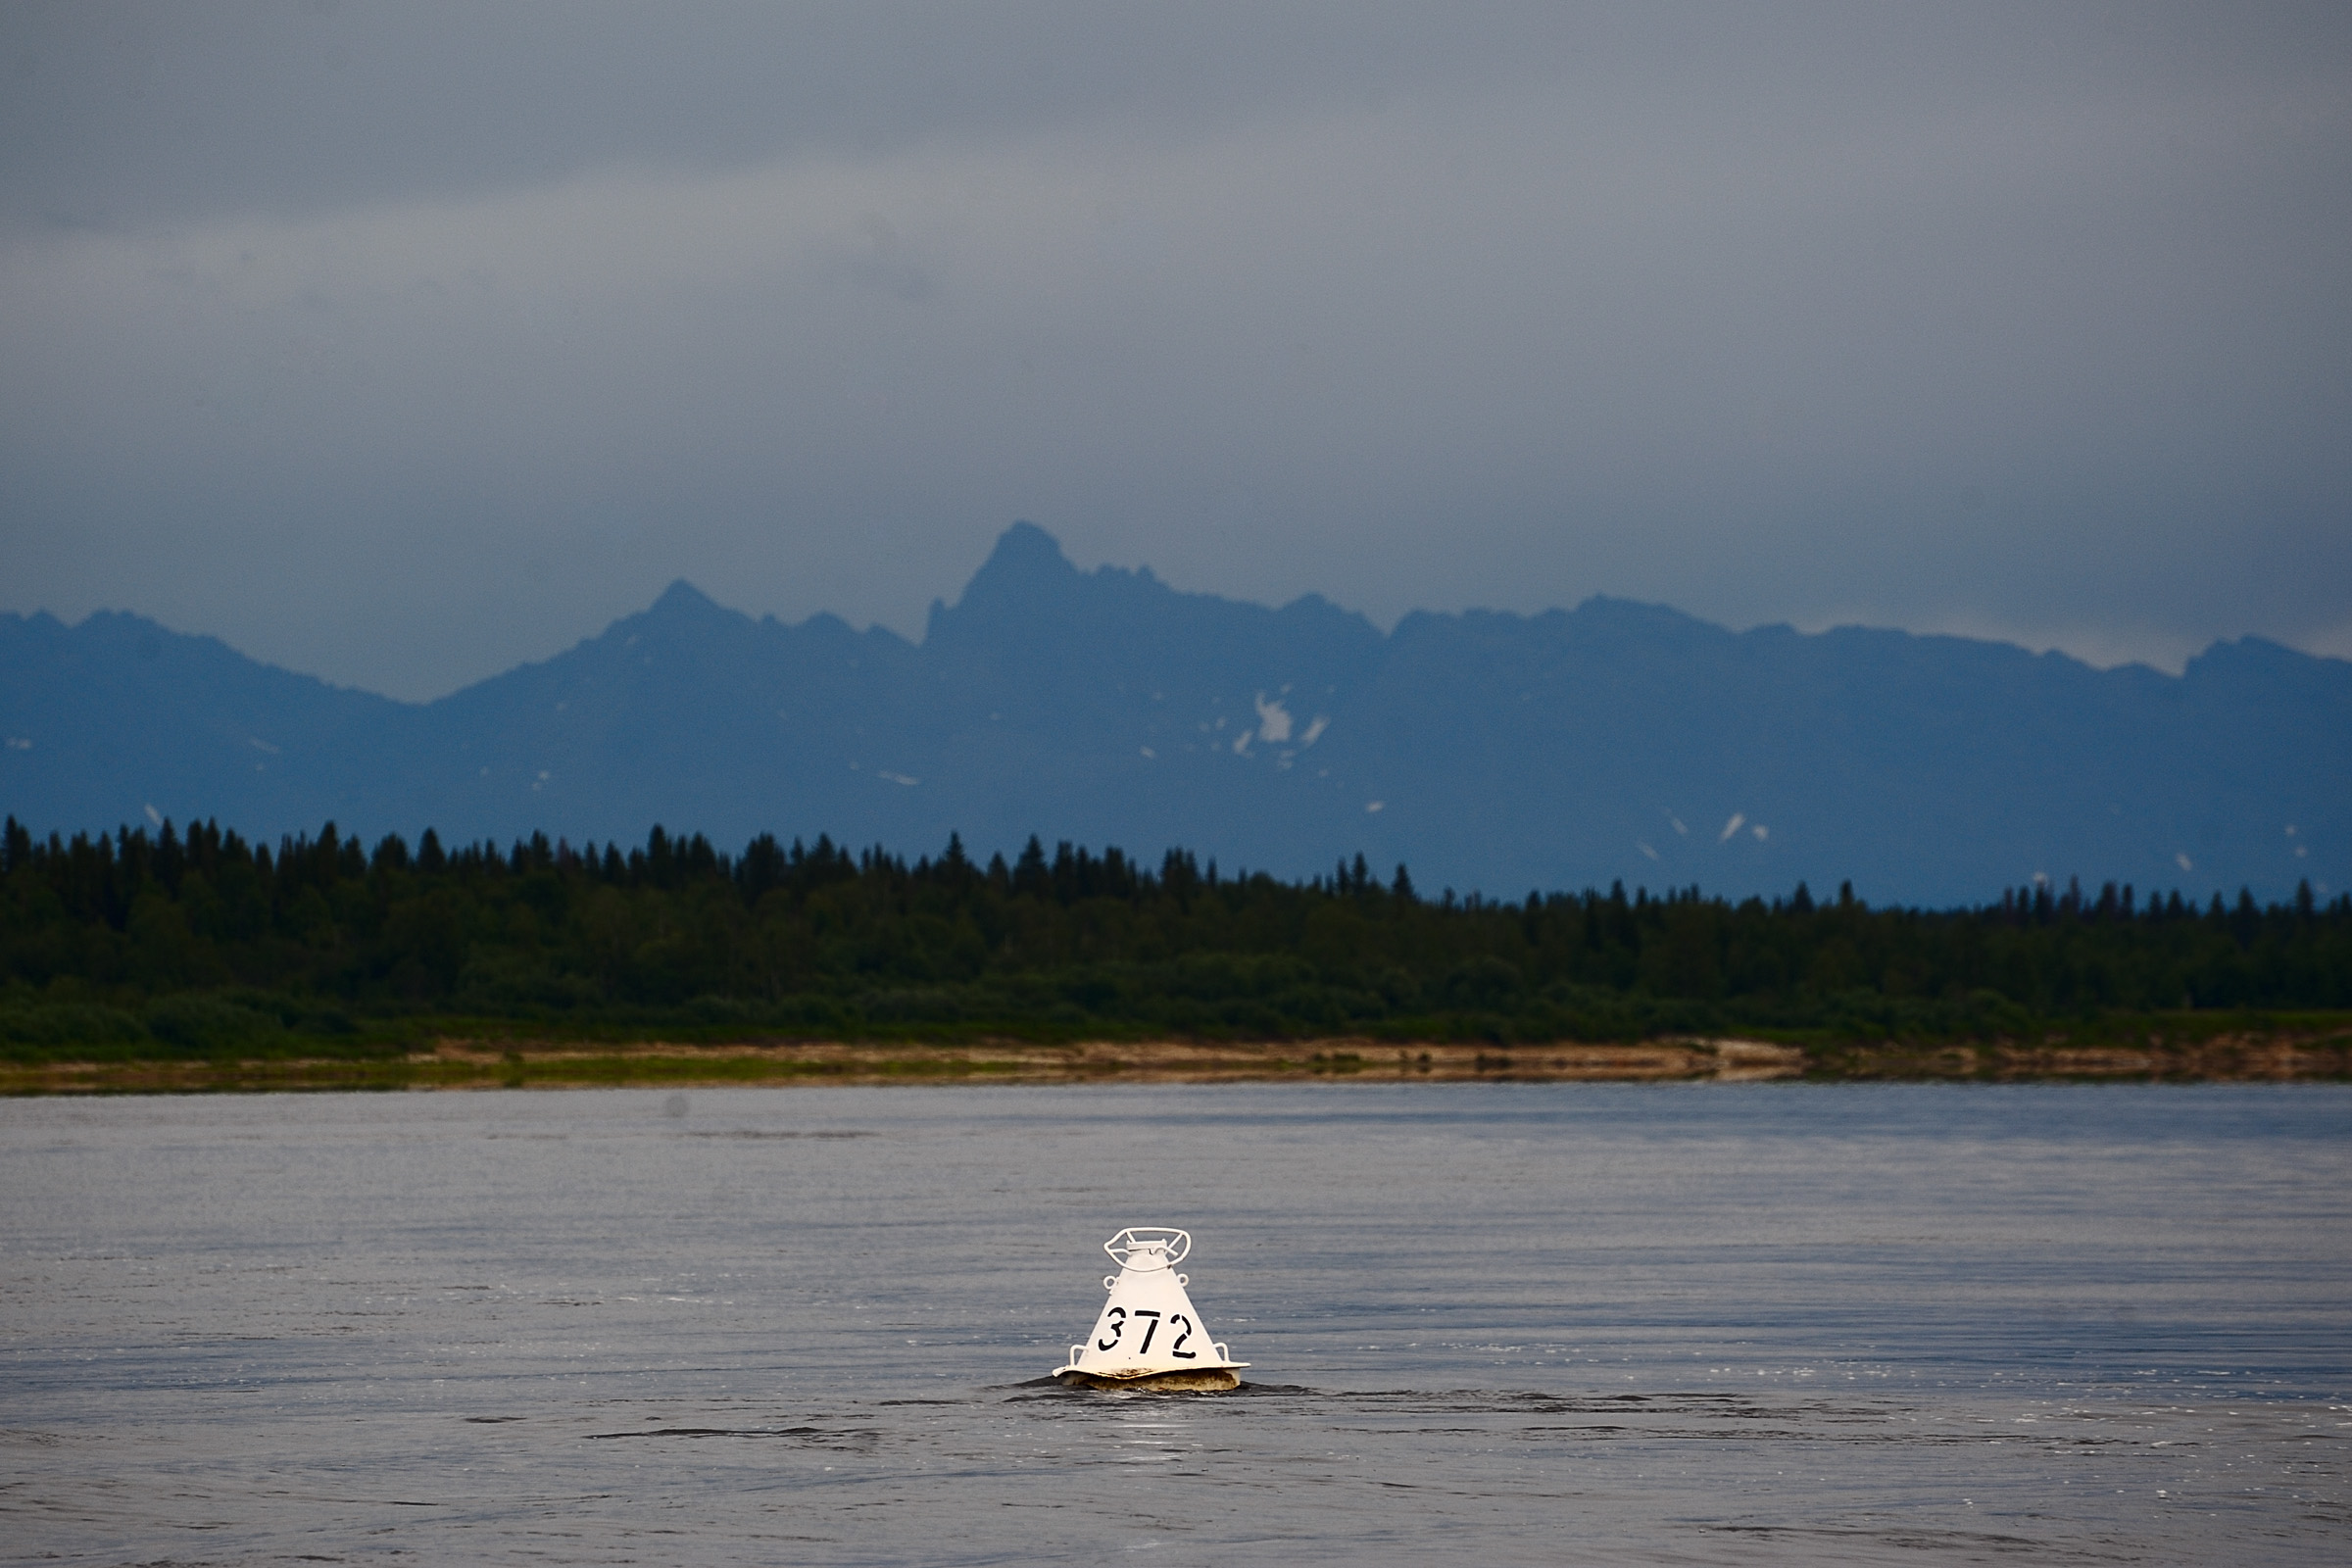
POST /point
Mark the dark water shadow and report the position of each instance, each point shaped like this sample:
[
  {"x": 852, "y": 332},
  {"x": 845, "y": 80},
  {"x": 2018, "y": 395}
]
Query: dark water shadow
[
  {"x": 805, "y": 1435},
  {"x": 755, "y": 1133}
]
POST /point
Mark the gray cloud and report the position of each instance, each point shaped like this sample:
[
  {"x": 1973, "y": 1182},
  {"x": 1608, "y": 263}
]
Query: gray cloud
[{"x": 401, "y": 343}]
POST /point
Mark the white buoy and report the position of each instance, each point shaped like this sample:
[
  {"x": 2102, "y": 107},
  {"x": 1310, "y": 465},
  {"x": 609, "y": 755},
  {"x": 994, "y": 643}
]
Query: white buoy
[{"x": 1150, "y": 1335}]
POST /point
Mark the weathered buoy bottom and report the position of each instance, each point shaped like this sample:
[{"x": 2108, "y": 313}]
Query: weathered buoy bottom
[{"x": 1214, "y": 1380}]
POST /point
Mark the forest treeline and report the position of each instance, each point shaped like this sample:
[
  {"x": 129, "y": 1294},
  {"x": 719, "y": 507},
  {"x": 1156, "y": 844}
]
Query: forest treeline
[{"x": 144, "y": 942}]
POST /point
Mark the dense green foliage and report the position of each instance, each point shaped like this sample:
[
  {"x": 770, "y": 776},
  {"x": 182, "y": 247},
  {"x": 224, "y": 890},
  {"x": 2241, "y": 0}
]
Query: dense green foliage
[{"x": 136, "y": 944}]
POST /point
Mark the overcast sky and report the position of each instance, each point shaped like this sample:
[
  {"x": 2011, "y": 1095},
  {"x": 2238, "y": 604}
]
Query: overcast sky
[{"x": 400, "y": 343}]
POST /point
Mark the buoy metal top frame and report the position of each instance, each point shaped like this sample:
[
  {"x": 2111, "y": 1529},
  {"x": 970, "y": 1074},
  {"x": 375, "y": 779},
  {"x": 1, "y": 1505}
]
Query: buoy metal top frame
[{"x": 1150, "y": 1335}]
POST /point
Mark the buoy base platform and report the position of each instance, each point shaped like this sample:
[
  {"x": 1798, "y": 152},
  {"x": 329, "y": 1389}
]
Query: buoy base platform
[{"x": 1209, "y": 1380}]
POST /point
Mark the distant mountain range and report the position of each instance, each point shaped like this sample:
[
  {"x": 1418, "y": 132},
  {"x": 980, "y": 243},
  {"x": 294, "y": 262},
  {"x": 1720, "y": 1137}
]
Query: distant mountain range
[{"x": 1486, "y": 751}]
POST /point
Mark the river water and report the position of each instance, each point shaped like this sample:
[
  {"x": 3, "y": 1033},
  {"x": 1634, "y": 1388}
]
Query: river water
[{"x": 1516, "y": 1323}]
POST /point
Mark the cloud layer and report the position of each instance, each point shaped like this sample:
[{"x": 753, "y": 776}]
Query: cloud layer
[{"x": 399, "y": 344}]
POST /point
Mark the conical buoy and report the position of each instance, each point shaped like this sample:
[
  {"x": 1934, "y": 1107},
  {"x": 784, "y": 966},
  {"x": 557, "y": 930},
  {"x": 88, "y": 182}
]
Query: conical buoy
[{"x": 1150, "y": 1336}]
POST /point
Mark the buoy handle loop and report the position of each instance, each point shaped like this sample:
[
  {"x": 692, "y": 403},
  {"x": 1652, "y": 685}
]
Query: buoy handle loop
[{"x": 1156, "y": 1247}]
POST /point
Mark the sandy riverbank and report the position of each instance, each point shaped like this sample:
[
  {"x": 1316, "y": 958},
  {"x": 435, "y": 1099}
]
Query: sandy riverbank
[
  {"x": 474, "y": 1065},
  {"x": 477, "y": 1064}
]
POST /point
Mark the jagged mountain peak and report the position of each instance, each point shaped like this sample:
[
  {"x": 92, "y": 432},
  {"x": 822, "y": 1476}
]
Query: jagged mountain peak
[
  {"x": 682, "y": 600},
  {"x": 1026, "y": 548},
  {"x": 682, "y": 615},
  {"x": 1025, "y": 573}
]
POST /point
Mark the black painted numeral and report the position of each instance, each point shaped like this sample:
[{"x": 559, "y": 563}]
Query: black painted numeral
[
  {"x": 1118, "y": 1316},
  {"x": 1178, "y": 1347},
  {"x": 1153, "y": 1328}
]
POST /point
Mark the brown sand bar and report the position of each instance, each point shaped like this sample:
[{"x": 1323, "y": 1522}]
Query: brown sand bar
[
  {"x": 491, "y": 1064},
  {"x": 481, "y": 1064}
]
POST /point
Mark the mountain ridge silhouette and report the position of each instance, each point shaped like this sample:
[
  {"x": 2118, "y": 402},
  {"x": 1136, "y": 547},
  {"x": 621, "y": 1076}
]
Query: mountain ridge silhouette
[{"x": 1571, "y": 747}]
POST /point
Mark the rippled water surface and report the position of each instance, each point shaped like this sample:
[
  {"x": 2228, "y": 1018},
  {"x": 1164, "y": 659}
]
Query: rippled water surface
[{"x": 1520, "y": 1323}]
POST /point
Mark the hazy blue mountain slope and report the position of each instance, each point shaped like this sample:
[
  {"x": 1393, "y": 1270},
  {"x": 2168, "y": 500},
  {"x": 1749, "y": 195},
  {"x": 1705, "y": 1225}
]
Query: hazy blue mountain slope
[
  {"x": 692, "y": 715},
  {"x": 1498, "y": 752},
  {"x": 109, "y": 719},
  {"x": 1668, "y": 749}
]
